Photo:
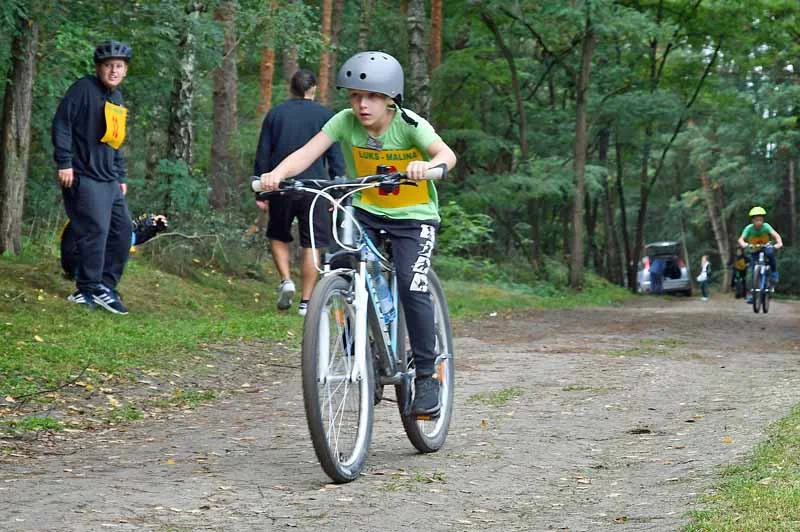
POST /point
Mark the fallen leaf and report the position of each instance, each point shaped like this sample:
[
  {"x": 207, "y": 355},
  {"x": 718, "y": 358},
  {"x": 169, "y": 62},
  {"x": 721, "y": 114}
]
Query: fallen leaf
[
  {"x": 169, "y": 461},
  {"x": 727, "y": 439}
]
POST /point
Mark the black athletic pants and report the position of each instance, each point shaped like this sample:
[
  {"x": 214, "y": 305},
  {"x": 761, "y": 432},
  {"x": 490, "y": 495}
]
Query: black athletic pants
[
  {"x": 102, "y": 224},
  {"x": 412, "y": 247}
]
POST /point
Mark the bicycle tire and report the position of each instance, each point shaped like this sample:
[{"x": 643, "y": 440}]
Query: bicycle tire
[
  {"x": 429, "y": 435},
  {"x": 756, "y": 291},
  {"x": 341, "y": 439},
  {"x": 765, "y": 295}
]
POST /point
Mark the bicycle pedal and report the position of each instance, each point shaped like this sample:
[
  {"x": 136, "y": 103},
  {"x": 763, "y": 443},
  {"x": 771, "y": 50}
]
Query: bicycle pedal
[{"x": 426, "y": 417}]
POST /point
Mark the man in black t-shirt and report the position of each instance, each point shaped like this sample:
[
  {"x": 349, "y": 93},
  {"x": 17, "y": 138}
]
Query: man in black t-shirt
[
  {"x": 287, "y": 127},
  {"x": 88, "y": 130}
]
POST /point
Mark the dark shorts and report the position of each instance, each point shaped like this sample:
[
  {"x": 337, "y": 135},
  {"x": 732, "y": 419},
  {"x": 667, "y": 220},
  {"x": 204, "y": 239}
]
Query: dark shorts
[{"x": 283, "y": 209}]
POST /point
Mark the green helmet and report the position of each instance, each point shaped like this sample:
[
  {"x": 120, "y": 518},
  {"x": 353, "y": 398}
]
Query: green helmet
[{"x": 757, "y": 211}]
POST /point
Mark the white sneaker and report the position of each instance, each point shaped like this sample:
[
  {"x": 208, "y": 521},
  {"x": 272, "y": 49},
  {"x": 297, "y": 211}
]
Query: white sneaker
[
  {"x": 302, "y": 308},
  {"x": 285, "y": 294}
]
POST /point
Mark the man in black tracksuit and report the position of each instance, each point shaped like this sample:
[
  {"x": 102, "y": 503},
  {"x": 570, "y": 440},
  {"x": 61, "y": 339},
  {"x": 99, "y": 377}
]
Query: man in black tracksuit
[
  {"x": 88, "y": 130},
  {"x": 286, "y": 128}
]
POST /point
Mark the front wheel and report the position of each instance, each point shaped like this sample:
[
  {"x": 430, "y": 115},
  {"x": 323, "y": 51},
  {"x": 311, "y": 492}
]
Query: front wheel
[
  {"x": 756, "y": 291},
  {"x": 766, "y": 293},
  {"x": 428, "y": 434},
  {"x": 339, "y": 407}
]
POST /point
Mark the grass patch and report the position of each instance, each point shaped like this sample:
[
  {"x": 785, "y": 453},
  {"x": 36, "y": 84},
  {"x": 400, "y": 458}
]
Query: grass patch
[
  {"x": 649, "y": 347},
  {"x": 186, "y": 398},
  {"x": 31, "y": 424},
  {"x": 471, "y": 298},
  {"x": 583, "y": 388},
  {"x": 763, "y": 493},
  {"x": 498, "y": 398},
  {"x": 124, "y": 414},
  {"x": 47, "y": 341}
]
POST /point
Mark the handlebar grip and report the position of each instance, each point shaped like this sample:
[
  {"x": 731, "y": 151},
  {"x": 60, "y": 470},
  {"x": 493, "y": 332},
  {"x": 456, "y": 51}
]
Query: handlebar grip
[
  {"x": 255, "y": 184},
  {"x": 437, "y": 172}
]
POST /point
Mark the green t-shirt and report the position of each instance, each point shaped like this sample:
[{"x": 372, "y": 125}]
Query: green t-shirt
[
  {"x": 400, "y": 144},
  {"x": 757, "y": 237}
]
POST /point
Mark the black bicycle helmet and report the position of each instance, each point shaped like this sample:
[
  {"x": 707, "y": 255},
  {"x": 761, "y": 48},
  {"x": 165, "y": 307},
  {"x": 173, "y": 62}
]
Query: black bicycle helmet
[{"x": 112, "y": 50}]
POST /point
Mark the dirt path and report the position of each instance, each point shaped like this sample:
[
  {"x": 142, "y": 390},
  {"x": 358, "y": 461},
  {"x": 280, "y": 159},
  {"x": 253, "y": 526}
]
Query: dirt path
[{"x": 613, "y": 419}]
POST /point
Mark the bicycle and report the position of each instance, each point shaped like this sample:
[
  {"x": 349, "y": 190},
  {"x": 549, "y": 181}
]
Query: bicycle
[
  {"x": 350, "y": 352},
  {"x": 761, "y": 289}
]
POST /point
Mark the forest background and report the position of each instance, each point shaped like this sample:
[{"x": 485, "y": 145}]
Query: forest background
[{"x": 584, "y": 129}]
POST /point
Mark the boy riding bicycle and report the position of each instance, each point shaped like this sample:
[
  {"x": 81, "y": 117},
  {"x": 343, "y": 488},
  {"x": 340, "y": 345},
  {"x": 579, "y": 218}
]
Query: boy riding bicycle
[
  {"x": 757, "y": 235},
  {"x": 374, "y": 131}
]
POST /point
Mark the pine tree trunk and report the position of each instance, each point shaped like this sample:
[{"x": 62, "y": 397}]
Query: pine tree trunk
[
  {"x": 323, "y": 81},
  {"x": 336, "y": 31},
  {"x": 792, "y": 203},
  {"x": 180, "y": 141},
  {"x": 16, "y": 135},
  {"x": 436, "y": 34},
  {"x": 581, "y": 143},
  {"x": 223, "y": 165},
  {"x": 266, "y": 73},
  {"x": 266, "y": 70},
  {"x": 367, "y": 7},
  {"x": 627, "y": 266},
  {"x": 718, "y": 225},
  {"x": 418, "y": 94}
]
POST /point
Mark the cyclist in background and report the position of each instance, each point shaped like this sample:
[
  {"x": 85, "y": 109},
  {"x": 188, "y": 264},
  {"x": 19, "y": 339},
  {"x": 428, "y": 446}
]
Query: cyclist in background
[
  {"x": 757, "y": 235},
  {"x": 738, "y": 267},
  {"x": 374, "y": 131}
]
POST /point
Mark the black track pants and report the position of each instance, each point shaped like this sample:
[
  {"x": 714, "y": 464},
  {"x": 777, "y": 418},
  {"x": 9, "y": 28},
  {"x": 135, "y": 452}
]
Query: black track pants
[
  {"x": 412, "y": 247},
  {"x": 102, "y": 224}
]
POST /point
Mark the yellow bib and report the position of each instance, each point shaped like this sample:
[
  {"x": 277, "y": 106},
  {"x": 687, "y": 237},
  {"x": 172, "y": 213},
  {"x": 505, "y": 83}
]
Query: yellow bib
[
  {"x": 366, "y": 161},
  {"x": 116, "y": 117}
]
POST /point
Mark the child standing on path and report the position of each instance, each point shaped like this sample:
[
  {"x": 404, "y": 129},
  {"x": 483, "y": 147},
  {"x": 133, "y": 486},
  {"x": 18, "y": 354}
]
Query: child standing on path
[{"x": 705, "y": 271}]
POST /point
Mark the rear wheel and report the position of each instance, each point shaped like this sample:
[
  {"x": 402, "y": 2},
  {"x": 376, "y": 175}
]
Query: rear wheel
[
  {"x": 428, "y": 435},
  {"x": 339, "y": 409},
  {"x": 756, "y": 291}
]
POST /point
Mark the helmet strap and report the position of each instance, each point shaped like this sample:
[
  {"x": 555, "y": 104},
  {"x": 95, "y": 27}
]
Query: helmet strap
[{"x": 407, "y": 119}]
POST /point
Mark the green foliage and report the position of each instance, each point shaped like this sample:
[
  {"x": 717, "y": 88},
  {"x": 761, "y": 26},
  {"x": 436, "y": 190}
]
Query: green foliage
[
  {"x": 463, "y": 234},
  {"x": 173, "y": 187}
]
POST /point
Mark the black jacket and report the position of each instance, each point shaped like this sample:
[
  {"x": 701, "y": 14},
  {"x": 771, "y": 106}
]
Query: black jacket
[
  {"x": 289, "y": 126},
  {"x": 78, "y": 126}
]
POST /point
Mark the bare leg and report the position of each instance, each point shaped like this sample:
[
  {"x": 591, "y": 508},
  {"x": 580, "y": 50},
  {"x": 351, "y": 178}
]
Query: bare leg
[
  {"x": 280, "y": 254},
  {"x": 309, "y": 271}
]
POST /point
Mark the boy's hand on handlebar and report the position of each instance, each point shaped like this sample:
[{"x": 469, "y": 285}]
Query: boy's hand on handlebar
[
  {"x": 270, "y": 181},
  {"x": 416, "y": 170}
]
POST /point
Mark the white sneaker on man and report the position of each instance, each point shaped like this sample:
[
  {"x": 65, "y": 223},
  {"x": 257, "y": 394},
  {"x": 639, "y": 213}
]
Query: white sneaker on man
[{"x": 285, "y": 294}]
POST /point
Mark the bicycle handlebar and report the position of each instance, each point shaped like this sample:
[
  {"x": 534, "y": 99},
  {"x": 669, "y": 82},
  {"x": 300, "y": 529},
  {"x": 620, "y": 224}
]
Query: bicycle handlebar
[{"x": 387, "y": 179}]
